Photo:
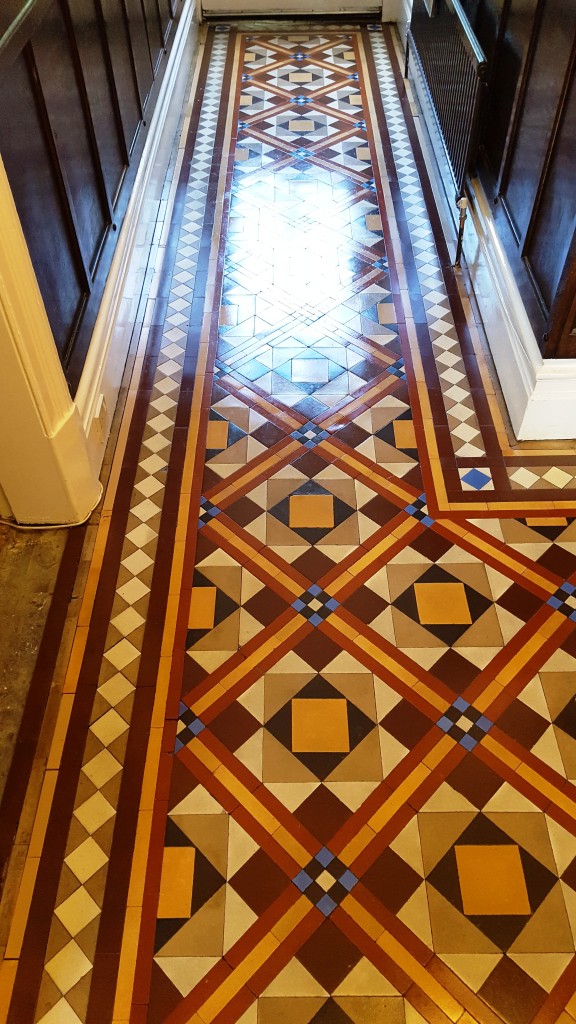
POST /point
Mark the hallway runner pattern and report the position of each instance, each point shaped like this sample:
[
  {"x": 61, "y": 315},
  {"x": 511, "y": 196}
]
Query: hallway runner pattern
[{"x": 316, "y": 750}]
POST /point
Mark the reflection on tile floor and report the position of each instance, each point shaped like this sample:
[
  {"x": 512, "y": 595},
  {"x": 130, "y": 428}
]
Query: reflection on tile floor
[{"x": 316, "y": 750}]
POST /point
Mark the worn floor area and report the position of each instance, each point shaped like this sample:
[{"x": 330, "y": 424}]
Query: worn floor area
[{"x": 315, "y": 752}]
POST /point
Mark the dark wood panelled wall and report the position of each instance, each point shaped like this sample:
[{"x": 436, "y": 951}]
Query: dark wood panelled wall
[
  {"x": 528, "y": 153},
  {"x": 78, "y": 80}
]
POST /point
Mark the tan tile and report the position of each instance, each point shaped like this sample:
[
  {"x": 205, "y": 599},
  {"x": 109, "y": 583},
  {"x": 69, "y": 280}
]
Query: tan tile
[{"x": 301, "y": 125}]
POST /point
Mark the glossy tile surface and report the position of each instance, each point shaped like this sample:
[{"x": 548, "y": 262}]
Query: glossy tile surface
[{"x": 316, "y": 753}]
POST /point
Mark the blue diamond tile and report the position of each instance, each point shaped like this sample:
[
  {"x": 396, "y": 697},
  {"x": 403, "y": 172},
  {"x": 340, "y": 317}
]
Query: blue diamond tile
[{"x": 326, "y": 905}]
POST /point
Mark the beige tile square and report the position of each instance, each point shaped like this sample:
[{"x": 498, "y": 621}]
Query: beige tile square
[
  {"x": 386, "y": 312},
  {"x": 77, "y": 911},
  {"x": 134, "y": 590},
  {"x": 115, "y": 689},
  {"x": 363, "y": 153},
  {"x": 109, "y": 727},
  {"x": 127, "y": 621},
  {"x": 301, "y": 125},
  {"x": 355, "y": 99},
  {"x": 94, "y": 813},
  {"x": 68, "y": 966},
  {"x": 122, "y": 654},
  {"x": 300, "y": 77},
  {"x": 373, "y": 222},
  {"x": 102, "y": 768},
  {"x": 86, "y": 859}
]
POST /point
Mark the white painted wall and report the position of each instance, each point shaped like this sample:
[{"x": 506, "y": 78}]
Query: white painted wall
[{"x": 46, "y": 476}]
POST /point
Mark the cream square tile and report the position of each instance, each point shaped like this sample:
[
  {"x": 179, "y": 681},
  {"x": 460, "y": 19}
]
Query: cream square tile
[
  {"x": 77, "y": 911},
  {"x": 94, "y": 813},
  {"x": 141, "y": 535},
  {"x": 149, "y": 486},
  {"x": 145, "y": 510},
  {"x": 61, "y": 1013},
  {"x": 136, "y": 563},
  {"x": 86, "y": 859},
  {"x": 157, "y": 443},
  {"x": 122, "y": 654},
  {"x": 115, "y": 689},
  {"x": 134, "y": 590},
  {"x": 102, "y": 768},
  {"x": 68, "y": 966},
  {"x": 127, "y": 621},
  {"x": 164, "y": 403},
  {"x": 153, "y": 464},
  {"x": 109, "y": 727}
]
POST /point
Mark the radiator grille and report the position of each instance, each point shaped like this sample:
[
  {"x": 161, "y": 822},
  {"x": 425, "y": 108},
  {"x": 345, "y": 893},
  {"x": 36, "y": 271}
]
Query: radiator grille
[{"x": 452, "y": 68}]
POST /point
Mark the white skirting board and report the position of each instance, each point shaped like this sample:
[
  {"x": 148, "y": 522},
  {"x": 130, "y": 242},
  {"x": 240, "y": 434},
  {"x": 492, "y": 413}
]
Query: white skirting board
[
  {"x": 540, "y": 393},
  {"x": 398, "y": 11},
  {"x": 101, "y": 378}
]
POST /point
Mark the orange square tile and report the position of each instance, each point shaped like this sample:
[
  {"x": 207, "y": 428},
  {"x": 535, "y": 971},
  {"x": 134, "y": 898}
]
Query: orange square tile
[
  {"x": 217, "y": 434},
  {"x": 404, "y": 434},
  {"x": 373, "y": 222},
  {"x": 176, "y": 882},
  {"x": 386, "y": 313},
  {"x": 492, "y": 880},
  {"x": 320, "y": 726},
  {"x": 442, "y": 603},
  {"x": 202, "y": 608},
  {"x": 311, "y": 510}
]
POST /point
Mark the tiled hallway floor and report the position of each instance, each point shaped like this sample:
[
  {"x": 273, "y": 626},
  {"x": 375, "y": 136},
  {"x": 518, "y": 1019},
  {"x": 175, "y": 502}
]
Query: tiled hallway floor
[{"x": 315, "y": 756}]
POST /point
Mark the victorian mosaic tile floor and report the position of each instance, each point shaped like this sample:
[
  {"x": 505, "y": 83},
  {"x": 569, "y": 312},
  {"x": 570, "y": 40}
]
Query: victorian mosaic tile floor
[{"x": 316, "y": 746}]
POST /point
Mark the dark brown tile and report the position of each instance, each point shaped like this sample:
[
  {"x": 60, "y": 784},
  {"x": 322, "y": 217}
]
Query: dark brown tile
[
  {"x": 260, "y": 882},
  {"x": 474, "y": 780},
  {"x": 329, "y": 956},
  {"x": 522, "y": 723},
  {"x": 406, "y": 724},
  {"x": 512, "y": 993},
  {"x": 322, "y": 814},
  {"x": 391, "y": 880},
  {"x": 454, "y": 670},
  {"x": 234, "y": 726}
]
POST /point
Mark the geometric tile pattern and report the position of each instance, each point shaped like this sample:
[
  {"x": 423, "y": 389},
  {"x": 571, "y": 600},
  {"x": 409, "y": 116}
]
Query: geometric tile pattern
[{"x": 321, "y": 752}]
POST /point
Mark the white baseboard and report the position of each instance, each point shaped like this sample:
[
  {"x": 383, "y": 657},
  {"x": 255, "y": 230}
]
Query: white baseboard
[
  {"x": 540, "y": 393},
  {"x": 399, "y": 11},
  {"x": 101, "y": 378}
]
